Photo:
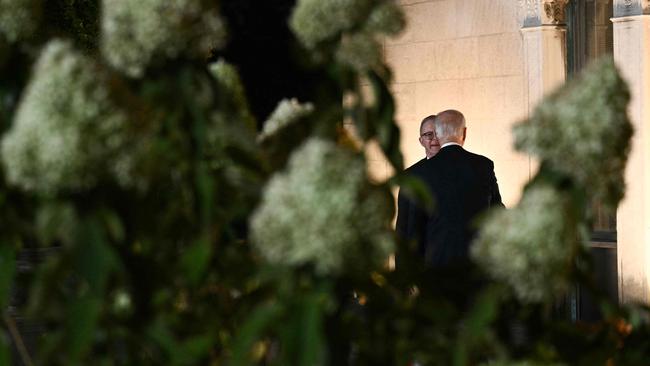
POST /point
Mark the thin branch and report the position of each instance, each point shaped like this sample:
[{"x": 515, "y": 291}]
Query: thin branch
[{"x": 18, "y": 340}]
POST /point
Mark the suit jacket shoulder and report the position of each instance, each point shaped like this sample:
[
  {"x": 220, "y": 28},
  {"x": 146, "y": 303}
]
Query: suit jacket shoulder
[
  {"x": 480, "y": 159},
  {"x": 416, "y": 168}
]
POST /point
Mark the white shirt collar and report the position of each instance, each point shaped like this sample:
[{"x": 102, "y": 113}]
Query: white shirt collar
[{"x": 449, "y": 144}]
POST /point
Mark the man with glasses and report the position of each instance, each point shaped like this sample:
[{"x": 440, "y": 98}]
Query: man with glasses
[
  {"x": 406, "y": 226},
  {"x": 428, "y": 138}
]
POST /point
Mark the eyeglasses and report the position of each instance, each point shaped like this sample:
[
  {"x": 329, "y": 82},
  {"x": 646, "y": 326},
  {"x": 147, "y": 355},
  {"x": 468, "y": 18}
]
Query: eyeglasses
[{"x": 428, "y": 136}]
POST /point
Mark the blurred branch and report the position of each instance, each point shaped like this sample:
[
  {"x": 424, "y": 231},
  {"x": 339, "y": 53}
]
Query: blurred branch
[{"x": 18, "y": 340}]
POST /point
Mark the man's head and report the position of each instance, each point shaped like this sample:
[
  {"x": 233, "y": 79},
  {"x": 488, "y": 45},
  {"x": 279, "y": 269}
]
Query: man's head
[
  {"x": 428, "y": 137},
  {"x": 450, "y": 127}
]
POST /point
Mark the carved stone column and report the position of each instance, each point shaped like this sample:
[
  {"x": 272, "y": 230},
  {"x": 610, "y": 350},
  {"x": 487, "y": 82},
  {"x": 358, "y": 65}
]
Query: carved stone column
[
  {"x": 544, "y": 38},
  {"x": 632, "y": 54}
]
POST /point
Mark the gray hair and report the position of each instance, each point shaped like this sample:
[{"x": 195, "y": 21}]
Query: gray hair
[
  {"x": 426, "y": 119},
  {"x": 449, "y": 124}
]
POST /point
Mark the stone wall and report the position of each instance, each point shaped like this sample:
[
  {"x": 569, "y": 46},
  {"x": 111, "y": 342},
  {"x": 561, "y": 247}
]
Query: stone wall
[{"x": 465, "y": 55}]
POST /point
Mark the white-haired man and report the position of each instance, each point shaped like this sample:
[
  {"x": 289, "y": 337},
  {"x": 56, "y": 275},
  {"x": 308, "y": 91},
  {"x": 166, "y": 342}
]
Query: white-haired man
[{"x": 463, "y": 185}]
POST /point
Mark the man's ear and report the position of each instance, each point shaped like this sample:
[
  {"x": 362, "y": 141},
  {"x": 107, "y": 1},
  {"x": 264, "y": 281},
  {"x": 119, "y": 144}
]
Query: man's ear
[
  {"x": 464, "y": 133},
  {"x": 421, "y": 142}
]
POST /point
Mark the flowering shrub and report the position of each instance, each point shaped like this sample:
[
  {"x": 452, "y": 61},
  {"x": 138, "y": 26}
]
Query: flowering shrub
[
  {"x": 530, "y": 247},
  {"x": 360, "y": 22},
  {"x": 19, "y": 18},
  {"x": 138, "y": 32},
  {"x": 583, "y": 131},
  {"x": 67, "y": 131},
  {"x": 148, "y": 219},
  {"x": 287, "y": 112},
  {"x": 322, "y": 190},
  {"x": 581, "y": 134}
]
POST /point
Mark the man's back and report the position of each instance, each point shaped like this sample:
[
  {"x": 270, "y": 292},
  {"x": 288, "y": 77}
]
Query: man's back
[{"x": 463, "y": 185}]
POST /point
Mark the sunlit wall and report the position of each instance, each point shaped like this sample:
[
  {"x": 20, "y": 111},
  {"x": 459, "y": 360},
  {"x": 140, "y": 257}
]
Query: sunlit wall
[{"x": 465, "y": 55}]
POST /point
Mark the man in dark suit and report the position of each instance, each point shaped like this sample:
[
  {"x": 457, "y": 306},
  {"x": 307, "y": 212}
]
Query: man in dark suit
[
  {"x": 463, "y": 186},
  {"x": 406, "y": 226}
]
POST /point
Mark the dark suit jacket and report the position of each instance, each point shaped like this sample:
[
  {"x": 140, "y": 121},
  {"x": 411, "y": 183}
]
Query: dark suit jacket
[
  {"x": 408, "y": 211},
  {"x": 463, "y": 185}
]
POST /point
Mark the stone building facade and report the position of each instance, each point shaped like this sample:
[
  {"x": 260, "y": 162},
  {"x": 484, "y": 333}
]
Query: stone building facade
[{"x": 494, "y": 60}]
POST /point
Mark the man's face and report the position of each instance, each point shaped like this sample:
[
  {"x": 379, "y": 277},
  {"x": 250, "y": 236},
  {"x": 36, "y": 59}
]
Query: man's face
[{"x": 429, "y": 140}]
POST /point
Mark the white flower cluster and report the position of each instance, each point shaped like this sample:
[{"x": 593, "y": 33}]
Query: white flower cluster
[
  {"x": 136, "y": 32},
  {"x": 529, "y": 247},
  {"x": 385, "y": 18},
  {"x": 318, "y": 22},
  {"x": 583, "y": 131},
  {"x": 359, "y": 50},
  {"x": 286, "y": 112},
  {"x": 66, "y": 126},
  {"x": 19, "y": 18},
  {"x": 317, "y": 213}
]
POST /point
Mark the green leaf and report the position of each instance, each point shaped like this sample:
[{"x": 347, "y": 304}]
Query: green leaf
[
  {"x": 205, "y": 189},
  {"x": 416, "y": 190},
  {"x": 252, "y": 330},
  {"x": 56, "y": 221},
  {"x": 195, "y": 260},
  {"x": 5, "y": 352},
  {"x": 302, "y": 337},
  {"x": 483, "y": 312},
  {"x": 194, "y": 349},
  {"x": 81, "y": 319},
  {"x": 113, "y": 224},
  {"x": 312, "y": 340},
  {"x": 161, "y": 335},
  {"x": 476, "y": 325},
  {"x": 94, "y": 257},
  {"x": 189, "y": 352},
  {"x": 93, "y": 262}
]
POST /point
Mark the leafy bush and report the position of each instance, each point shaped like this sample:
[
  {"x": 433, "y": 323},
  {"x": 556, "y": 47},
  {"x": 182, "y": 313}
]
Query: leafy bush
[{"x": 146, "y": 219}]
